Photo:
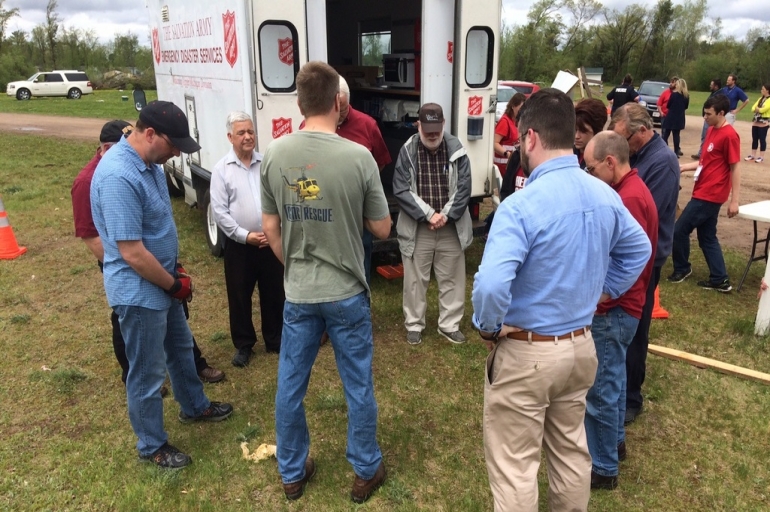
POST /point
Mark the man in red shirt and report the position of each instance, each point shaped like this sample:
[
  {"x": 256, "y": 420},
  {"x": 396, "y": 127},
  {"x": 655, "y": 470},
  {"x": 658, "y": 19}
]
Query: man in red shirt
[
  {"x": 85, "y": 229},
  {"x": 663, "y": 106},
  {"x": 615, "y": 321},
  {"x": 715, "y": 174}
]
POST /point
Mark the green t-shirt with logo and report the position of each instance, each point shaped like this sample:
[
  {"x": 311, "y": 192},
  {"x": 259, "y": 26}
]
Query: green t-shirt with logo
[{"x": 322, "y": 186}]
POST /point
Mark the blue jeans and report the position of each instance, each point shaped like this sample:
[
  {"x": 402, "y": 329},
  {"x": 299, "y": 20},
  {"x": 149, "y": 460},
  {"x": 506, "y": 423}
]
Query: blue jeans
[
  {"x": 703, "y": 216},
  {"x": 156, "y": 341},
  {"x": 368, "y": 241},
  {"x": 606, "y": 400},
  {"x": 349, "y": 324}
]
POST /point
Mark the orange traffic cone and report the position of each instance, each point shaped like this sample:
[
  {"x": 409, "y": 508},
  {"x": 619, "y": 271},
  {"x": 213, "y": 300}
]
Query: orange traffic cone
[
  {"x": 9, "y": 249},
  {"x": 657, "y": 311}
]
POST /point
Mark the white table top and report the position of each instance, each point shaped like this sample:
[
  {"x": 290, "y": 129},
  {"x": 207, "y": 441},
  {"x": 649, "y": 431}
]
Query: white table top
[{"x": 755, "y": 211}]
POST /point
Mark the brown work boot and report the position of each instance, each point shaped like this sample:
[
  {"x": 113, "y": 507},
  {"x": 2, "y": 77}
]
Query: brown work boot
[
  {"x": 211, "y": 375},
  {"x": 363, "y": 489},
  {"x": 295, "y": 490}
]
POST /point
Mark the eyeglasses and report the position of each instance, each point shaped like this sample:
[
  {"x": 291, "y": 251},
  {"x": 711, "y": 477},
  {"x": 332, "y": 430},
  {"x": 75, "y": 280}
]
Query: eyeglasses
[
  {"x": 162, "y": 136},
  {"x": 629, "y": 137},
  {"x": 591, "y": 168}
]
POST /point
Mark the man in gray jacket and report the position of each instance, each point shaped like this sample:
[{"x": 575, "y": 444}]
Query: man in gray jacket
[{"x": 432, "y": 184}]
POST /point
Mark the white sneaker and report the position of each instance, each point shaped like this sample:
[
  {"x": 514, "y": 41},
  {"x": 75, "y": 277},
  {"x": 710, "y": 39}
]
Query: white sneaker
[{"x": 749, "y": 158}]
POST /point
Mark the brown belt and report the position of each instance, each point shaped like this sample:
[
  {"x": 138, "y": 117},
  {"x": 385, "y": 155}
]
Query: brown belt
[{"x": 531, "y": 336}]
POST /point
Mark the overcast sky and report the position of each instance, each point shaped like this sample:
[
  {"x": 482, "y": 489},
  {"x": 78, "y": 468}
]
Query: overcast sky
[{"x": 108, "y": 18}]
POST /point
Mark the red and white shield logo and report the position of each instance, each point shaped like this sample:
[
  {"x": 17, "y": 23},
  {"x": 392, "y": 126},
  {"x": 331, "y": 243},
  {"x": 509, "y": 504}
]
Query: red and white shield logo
[
  {"x": 286, "y": 51},
  {"x": 281, "y": 127},
  {"x": 474, "y": 106},
  {"x": 156, "y": 45},
  {"x": 450, "y": 51},
  {"x": 231, "y": 41}
]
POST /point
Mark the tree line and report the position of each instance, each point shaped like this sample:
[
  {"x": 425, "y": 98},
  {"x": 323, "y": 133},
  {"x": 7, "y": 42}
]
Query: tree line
[
  {"x": 652, "y": 43},
  {"x": 52, "y": 45}
]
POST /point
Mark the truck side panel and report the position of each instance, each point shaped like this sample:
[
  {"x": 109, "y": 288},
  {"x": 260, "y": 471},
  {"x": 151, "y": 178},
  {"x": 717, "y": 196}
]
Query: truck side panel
[{"x": 202, "y": 56}]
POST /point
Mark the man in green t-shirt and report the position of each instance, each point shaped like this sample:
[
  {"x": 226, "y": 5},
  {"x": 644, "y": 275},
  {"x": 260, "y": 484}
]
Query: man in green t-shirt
[{"x": 319, "y": 191}]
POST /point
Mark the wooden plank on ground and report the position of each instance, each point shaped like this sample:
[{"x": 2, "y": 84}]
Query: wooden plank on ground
[{"x": 705, "y": 362}]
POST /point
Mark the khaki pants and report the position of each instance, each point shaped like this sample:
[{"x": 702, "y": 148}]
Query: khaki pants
[
  {"x": 441, "y": 250},
  {"x": 535, "y": 395}
]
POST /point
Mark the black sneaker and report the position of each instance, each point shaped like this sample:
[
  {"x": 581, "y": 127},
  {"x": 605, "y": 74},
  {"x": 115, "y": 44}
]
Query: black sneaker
[
  {"x": 168, "y": 457},
  {"x": 722, "y": 286},
  {"x": 607, "y": 483},
  {"x": 217, "y": 411},
  {"x": 678, "y": 277},
  {"x": 241, "y": 357}
]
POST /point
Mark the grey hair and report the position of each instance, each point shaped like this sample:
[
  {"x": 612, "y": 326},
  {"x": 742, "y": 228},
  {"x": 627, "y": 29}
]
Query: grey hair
[
  {"x": 344, "y": 89},
  {"x": 634, "y": 115},
  {"x": 236, "y": 117}
]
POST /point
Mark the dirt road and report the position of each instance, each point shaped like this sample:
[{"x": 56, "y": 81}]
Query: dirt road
[
  {"x": 736, "y": 233},
  {"x": 72, "y": 128}
]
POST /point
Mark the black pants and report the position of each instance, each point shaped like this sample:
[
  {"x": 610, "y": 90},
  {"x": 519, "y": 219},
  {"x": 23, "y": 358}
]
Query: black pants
[
  {"x": 247, "y": 266},
  {"x": 759, "y": 137},
  {"x": 676, "y": 133},
  {"x": 119, "y": 346},
  {"x": 636, "y": 356}
]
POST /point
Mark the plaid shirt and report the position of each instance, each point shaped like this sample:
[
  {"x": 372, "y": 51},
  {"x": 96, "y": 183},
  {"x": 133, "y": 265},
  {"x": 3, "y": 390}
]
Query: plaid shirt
[{"x": 433, "y": 176}]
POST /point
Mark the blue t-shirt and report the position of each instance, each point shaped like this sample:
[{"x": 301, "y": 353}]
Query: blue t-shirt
[
  {"x": 130, "y": 201},
  {"x": 734, "y": 95}
]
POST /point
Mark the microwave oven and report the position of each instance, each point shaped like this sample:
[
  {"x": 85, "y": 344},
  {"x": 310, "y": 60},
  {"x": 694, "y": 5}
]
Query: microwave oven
[{"x": 399, "y": 69}]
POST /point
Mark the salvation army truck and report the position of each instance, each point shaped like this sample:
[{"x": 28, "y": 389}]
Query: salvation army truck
[{"x": 213, "y": 57}]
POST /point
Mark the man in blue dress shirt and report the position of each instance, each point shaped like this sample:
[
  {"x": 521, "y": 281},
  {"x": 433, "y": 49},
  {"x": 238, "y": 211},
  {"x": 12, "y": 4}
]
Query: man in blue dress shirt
[{"x": 557, "y": 248}]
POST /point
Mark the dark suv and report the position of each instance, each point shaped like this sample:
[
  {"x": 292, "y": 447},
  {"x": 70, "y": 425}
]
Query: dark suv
[{"x": 649, "y": 92}]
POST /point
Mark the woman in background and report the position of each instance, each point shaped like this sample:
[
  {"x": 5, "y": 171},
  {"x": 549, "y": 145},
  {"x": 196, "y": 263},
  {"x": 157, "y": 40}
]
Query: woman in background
[
  {"x": 506, "y": 134},
  {"x": 674, "y": 121},
  {"x": 761, "y": 111},
  {"x": 590, "y": 118}
]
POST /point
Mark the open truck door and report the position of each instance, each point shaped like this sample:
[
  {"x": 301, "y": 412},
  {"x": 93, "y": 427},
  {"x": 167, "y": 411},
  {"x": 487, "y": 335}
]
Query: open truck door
[
  {"x": 280, "y": 51},
  {"x": 476, "y": 48}
]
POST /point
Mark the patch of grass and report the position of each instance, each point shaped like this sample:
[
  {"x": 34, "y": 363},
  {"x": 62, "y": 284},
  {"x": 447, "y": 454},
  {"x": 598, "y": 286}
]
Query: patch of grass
[
  {"x": 20, "y": 319},
  {"x": 64, "y": 380},
  {"x": 12, "y": 190},
  {"x": 698, "y": 98},
  {"x": 249, "y": 433},
  {"x": 104, "y": 104},
  {"x": 219, "y": 337},
  {"x": 79, "y": 269},
  {"x": 701, "y": 443}
]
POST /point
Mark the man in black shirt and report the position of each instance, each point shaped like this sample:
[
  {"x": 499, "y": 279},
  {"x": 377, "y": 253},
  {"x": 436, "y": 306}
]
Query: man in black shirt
[{"x": 623, "y": 93}]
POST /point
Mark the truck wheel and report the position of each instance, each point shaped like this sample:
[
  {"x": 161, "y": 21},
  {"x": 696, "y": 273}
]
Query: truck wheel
[
  {"x": 173, "y": 189},
  {"x": 214, "y": 236},
  {"x": 74, "y": 94},
  {"x": 23, "y": 94}
]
